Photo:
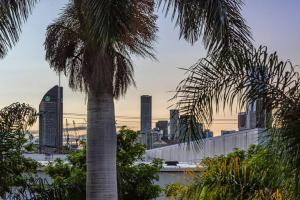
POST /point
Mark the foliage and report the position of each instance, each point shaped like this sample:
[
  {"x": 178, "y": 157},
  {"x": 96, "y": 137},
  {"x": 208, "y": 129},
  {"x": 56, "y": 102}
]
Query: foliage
[
  {"x": 12, "y": 15},
  {"x": 255, "y": 174},
  {"x": 38, "y": 189},
  {"x": 71, "y": 176},
  {"x": 252, "y": 75},
  {"x": 218, "y": 22},
  {"x": 135, "y": 180},
  {"x": 14, "y": 123}
]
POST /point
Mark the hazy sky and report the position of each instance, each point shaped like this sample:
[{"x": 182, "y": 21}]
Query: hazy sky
[{"x": 25, "y": 75}]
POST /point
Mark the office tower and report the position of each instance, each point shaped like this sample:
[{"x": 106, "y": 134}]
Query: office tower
[
  {"x": 51, "y": 121},
  {"x": 187, "y": 122},
  {"x": 146, "y": 118},
  {"x": 257, "y": 113},
  {"x": 208, "y": 133},
  {"x": 163, "y": 126},
  {"x": 242, "y": 121},
  {"x": 174, "y": 124},
  {"x": 255, "y": 117}
]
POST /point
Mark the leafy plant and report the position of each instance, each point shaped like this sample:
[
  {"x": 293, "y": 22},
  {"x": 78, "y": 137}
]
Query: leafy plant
[
  {"x": 15, "y": 169},
  {"x": 255, "y": 174},
  {"x": 250, "y": 76},
  {"x": 135, "y": 181}
]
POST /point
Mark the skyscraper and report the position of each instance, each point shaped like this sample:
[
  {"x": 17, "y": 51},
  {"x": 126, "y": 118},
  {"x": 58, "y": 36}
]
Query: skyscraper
[
  {"x": 256, "y": 114},
  {"x": 146, "y": 118},
  {"x": 163, "y": 125},
  {"x": 51, "y": 121},
  {"x": 174, "y": 124}
]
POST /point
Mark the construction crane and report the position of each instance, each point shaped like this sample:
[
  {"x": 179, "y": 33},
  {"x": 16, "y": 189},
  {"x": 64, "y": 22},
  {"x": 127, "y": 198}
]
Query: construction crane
[
  {"x": 68, "y": 134},
  {"x": 76, "y": 133}
]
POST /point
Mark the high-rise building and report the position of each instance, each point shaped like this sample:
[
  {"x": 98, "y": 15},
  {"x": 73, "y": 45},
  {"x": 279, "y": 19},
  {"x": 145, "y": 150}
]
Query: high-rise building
[
  {"x": 242, "y": 121},
  {"x": 256, "y": 113},
  {"x": 255, "y": 117},
  {"x": 51, "y": 121},
  {"x": 207, "y": 133},
  {"x": 146, "y": 118},
  {"x": 188, "y": 123},
  {"x": 163, "y": 126},
  {"x": 174, "y": 124}
]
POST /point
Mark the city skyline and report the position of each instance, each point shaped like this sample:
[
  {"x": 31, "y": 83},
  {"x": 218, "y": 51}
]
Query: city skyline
[{"x": 25, "y": 76}]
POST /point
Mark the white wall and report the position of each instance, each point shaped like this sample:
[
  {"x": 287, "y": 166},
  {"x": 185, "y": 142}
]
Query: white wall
[{"x": 210, "y": 147}]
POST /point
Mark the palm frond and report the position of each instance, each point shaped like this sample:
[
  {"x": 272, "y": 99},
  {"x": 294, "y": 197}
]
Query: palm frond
[
  {"x": 218, "y": 22},
  {"x": 12, "y": 15},
  {"x": 123, "y": 75},
  {"x": 64, "y": 47},
  {"x": 247, "y": 77},
  {"x": 252, "y": 76}
]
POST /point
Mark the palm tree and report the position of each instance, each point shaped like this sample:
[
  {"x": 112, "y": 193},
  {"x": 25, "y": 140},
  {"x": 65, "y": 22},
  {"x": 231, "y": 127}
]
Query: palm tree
[
  {"x": 251, "y": 75},
  {"x": 104, "y": 72},
  {"x": 12, "y": 15}
]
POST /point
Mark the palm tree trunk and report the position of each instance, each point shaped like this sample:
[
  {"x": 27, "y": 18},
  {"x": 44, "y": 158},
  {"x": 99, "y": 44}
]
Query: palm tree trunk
[{"x": 101, "y": 148}]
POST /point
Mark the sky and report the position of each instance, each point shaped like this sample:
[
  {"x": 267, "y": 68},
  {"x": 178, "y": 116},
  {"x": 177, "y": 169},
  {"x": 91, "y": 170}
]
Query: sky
[{"x": 25, "y": 76}]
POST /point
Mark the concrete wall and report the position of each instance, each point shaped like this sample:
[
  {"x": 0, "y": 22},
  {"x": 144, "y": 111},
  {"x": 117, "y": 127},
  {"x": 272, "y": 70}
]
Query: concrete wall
[{"x": 209, "y": 147}]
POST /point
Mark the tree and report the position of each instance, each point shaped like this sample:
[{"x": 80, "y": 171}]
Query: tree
[
  {"x": 251, "y": 75},
  {"x": 104, "y": 72},
  {"x": 14, "y": 123},
  {"x": 12, "y": 15},
  {"x": 135, "y": 180},
  {"x": 255, "y": 174}
]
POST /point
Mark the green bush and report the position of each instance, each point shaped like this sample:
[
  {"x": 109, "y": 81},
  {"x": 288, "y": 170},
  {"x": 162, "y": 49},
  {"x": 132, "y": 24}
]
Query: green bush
[{"x": 135, "y": 180}]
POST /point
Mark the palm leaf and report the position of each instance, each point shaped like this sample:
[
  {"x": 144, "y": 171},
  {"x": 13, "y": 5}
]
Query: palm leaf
[
  {"x": 218, "y": 22},
  {"x": 253, "y": 75},
  {"x": 12, "y": 15}
]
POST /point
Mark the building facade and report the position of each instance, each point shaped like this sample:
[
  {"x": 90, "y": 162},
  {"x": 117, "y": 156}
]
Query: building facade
[
  {"x": 146, "y": 119},
  {"x": 210, "y": 147},
  {"x": 51, "y": 121},
  {"x": 254, "y": 117},
  {"x": 163, "y": 126},
  {"x": 174, "y": 124}
]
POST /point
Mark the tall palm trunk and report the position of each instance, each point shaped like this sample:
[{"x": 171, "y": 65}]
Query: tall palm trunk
[{"x": 101, "y": 148}]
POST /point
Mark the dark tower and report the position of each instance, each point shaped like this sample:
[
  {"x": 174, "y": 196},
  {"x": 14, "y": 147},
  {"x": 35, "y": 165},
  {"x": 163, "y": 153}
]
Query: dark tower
[
  {"x": 163, "y": 125},
  {"x": 174, "y": 124},
  {"x": 146, "y": 119},
  {"x": 51, "y": 121}
]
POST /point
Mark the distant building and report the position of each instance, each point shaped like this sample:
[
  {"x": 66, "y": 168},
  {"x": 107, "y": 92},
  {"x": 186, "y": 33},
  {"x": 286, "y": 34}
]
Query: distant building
[
  {"x": 255, "y": 117},
  {"x": 256, "y": 112},
  {"x": 187, "y": 122},
  {"x": 242, "y": 121},
  {"x": 211, "y": 147},
  {"x": 174, "y": 124},
  {"x": 163, "y": 126},
  {"x": 208, "y": 133},
  {"x": 51, "y": 121},
  {"x": 146, "y": 119}
]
